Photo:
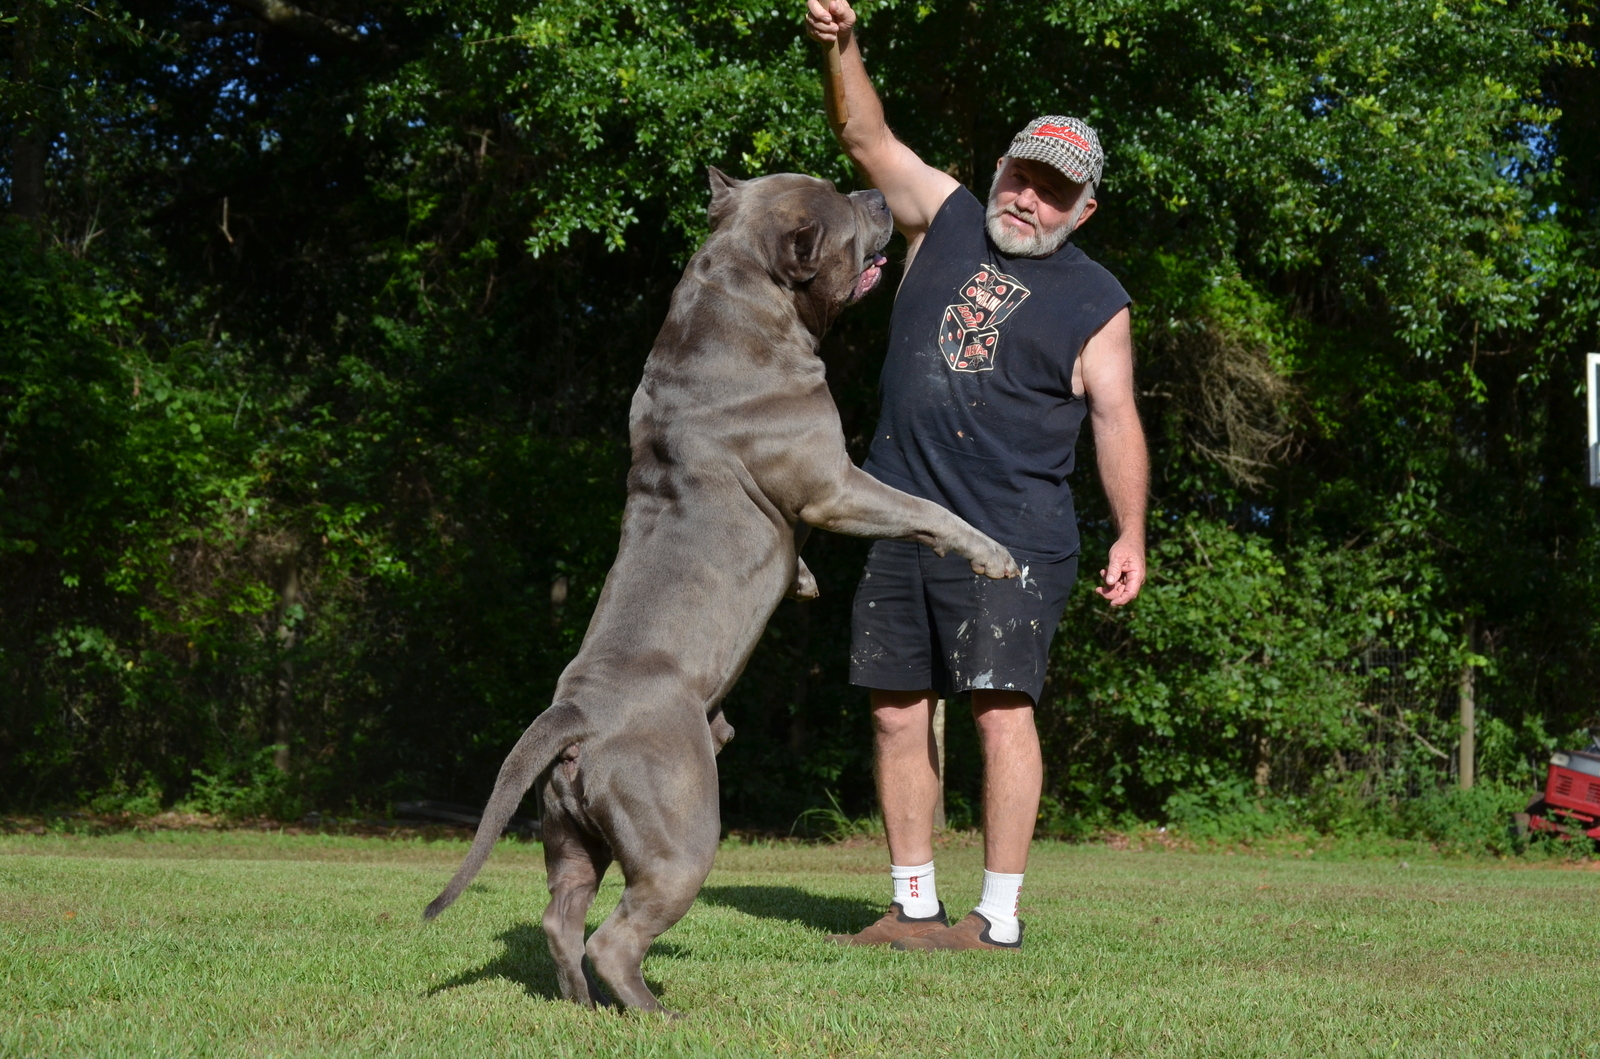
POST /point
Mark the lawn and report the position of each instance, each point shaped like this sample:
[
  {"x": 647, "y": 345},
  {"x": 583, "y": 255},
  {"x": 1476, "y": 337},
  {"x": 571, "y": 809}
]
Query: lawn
[{"x": 249, "y": 944}]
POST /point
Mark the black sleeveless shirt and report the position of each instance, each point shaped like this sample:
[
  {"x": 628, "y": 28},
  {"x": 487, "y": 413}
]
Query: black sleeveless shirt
[{"x": 978, "y": 412}]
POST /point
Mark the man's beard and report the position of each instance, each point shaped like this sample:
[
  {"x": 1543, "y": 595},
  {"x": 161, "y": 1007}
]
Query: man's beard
[{"x": 1037, "y": 243}]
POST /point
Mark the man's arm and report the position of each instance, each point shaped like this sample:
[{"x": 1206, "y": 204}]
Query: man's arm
[
  {"x": 914, "y": 189},
  {"x": 1105, "y": 370}
]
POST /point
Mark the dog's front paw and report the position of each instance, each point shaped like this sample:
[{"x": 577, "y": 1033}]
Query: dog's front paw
[
  {"x": 993, "y": 560},
  {"x": 805, "y": 586}
]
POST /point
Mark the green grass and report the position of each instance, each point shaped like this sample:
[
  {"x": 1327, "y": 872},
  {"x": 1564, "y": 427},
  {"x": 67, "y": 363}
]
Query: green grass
[{"x": 243, "y": 944}]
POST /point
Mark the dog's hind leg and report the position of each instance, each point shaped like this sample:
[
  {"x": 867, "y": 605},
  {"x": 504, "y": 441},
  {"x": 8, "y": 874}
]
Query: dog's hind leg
[
  {"x": 656, "y": 897},
  {"x": 574, "y": 865}
]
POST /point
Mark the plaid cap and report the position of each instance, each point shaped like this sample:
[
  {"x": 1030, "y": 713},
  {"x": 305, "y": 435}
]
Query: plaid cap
[{"x": 1066, "y": 143}]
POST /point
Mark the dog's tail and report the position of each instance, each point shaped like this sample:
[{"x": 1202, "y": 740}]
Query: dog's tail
[{"x": 555, "y": 729}]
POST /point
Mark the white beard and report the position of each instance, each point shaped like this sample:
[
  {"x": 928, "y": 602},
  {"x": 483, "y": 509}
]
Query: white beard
[{"x": 1038, "y": 243}]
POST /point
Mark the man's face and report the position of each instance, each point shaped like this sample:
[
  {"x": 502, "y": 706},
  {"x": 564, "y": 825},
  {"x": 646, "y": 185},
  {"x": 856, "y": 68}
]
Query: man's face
[{"x": 1033, "y": 207}]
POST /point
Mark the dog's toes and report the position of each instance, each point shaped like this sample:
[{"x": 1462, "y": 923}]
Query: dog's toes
[
  {"x": 805, "y": 584},
  {"x": 804, "y": 590},
  {"x": 998, "y": 570}
]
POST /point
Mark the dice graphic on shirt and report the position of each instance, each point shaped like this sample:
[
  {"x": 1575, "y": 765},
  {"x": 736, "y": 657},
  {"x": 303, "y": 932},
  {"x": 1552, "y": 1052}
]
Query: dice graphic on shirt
[
  {"x": 953, "y": 332},
  {"x": 977, "y": 350},
  {"x": 994, "y": 293},
  {"x": 966, "y": 348},
  {"x": 971, "y": 315}
]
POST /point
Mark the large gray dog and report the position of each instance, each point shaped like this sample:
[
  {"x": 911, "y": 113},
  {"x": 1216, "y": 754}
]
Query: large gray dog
[{"x": 736, "y": 440}]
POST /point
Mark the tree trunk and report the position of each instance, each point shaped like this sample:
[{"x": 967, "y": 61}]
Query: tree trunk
[{"x": 29, "y": 141}]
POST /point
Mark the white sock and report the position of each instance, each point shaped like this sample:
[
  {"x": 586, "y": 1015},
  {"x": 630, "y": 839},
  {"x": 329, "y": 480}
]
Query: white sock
[
  {"x": 913, "y": 889},
  {"x": 1001, "y": 896}
]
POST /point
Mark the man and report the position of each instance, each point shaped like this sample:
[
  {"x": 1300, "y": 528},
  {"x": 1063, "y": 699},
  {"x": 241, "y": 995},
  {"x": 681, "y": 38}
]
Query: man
[{"x": 1004, "y": 337}]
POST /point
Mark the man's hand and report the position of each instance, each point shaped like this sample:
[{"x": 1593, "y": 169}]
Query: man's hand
[
  {"x": 830, "y": 21},
  {"x": 1124, "y": 573}
]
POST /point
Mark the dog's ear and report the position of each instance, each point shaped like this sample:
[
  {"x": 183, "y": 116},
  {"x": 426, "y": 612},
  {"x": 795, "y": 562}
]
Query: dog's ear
[
  {"x": 723, "y": 189},
  {"x": 800, "y": 255}
]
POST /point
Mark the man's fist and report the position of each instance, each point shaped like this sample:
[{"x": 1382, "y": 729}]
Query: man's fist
[{"x": 829, "y": 20}]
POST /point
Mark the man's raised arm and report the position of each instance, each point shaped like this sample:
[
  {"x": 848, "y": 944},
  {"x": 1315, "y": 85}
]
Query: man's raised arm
[{"x": 914, "y": 189}]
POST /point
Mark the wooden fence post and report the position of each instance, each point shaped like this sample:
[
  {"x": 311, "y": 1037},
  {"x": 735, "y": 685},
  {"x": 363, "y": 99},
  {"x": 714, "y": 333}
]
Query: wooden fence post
[
  {"x": 1469, "y": 710},
  {"x": 288, "y": 634}
]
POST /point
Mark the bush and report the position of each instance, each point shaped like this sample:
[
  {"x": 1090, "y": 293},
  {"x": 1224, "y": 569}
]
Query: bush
[
  {"x": 1458, "y": 821},
  {"x": 252, "y": 787},
  {"x": 141, "y": 800},
  {"x": 1230, "y": 811}
]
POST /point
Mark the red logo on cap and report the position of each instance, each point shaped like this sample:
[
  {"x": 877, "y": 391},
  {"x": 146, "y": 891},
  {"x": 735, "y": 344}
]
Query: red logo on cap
[{"x": 1063, "y": 132}]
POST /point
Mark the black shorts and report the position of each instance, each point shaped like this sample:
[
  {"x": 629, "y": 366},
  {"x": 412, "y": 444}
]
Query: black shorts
[{"x": 920, "y": 621}]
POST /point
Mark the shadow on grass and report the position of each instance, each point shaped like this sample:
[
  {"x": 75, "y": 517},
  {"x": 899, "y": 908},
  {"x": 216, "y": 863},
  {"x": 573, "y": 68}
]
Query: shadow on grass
[
  {"x": 831, "y": 915},
  {"x": 526, "y": 961}
]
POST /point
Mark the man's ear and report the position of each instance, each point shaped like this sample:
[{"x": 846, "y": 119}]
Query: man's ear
[
  {"x": 723, "y": 195},
  {"x": 800, "y": 255},
  {"x": 1087, "y": 212}
]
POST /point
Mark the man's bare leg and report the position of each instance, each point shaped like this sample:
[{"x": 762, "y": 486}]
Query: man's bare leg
[
  {"x": 1013, "y": 775},
  {"x": 908, "y": 787},
  {"x": 1013, "y": 772},
  {"x": 908, "y": 771}
]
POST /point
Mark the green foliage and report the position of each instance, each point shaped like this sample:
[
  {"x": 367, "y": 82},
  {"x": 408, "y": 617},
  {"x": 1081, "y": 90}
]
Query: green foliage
[
  {"x": 1228, "y": 814},
  {"x": 255, "y": 787},
  {"x": 608, "y": 108},
  {"x": 1233, "y": 660},
  {"x": 1458, "y": 821},
  {"x": 59, "y": 382},
  {"x": 143, "y": 800},
  {"x": 834, "y": 824}
]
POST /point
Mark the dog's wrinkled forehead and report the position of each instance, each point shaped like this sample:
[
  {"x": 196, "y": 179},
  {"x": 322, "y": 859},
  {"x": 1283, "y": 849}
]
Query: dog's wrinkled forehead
[{"x": 781, "y": 197}]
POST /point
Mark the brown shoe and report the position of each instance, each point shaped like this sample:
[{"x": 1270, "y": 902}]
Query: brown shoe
[
  {"x": 894, "y": 926},
  {"x": 971, "y": 933}
]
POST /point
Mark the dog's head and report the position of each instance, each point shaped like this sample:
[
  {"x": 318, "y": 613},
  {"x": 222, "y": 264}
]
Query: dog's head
[{"x": 822, "y": 245}]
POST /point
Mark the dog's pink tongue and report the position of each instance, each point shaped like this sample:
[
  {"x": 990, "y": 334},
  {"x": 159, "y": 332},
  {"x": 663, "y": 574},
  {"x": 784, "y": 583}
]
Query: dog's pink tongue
[{"x": 869, "y": 277}]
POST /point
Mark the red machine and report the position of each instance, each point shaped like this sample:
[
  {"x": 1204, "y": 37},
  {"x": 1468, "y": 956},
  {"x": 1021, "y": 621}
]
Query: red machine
[{"x": 1571, "y": 798}]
